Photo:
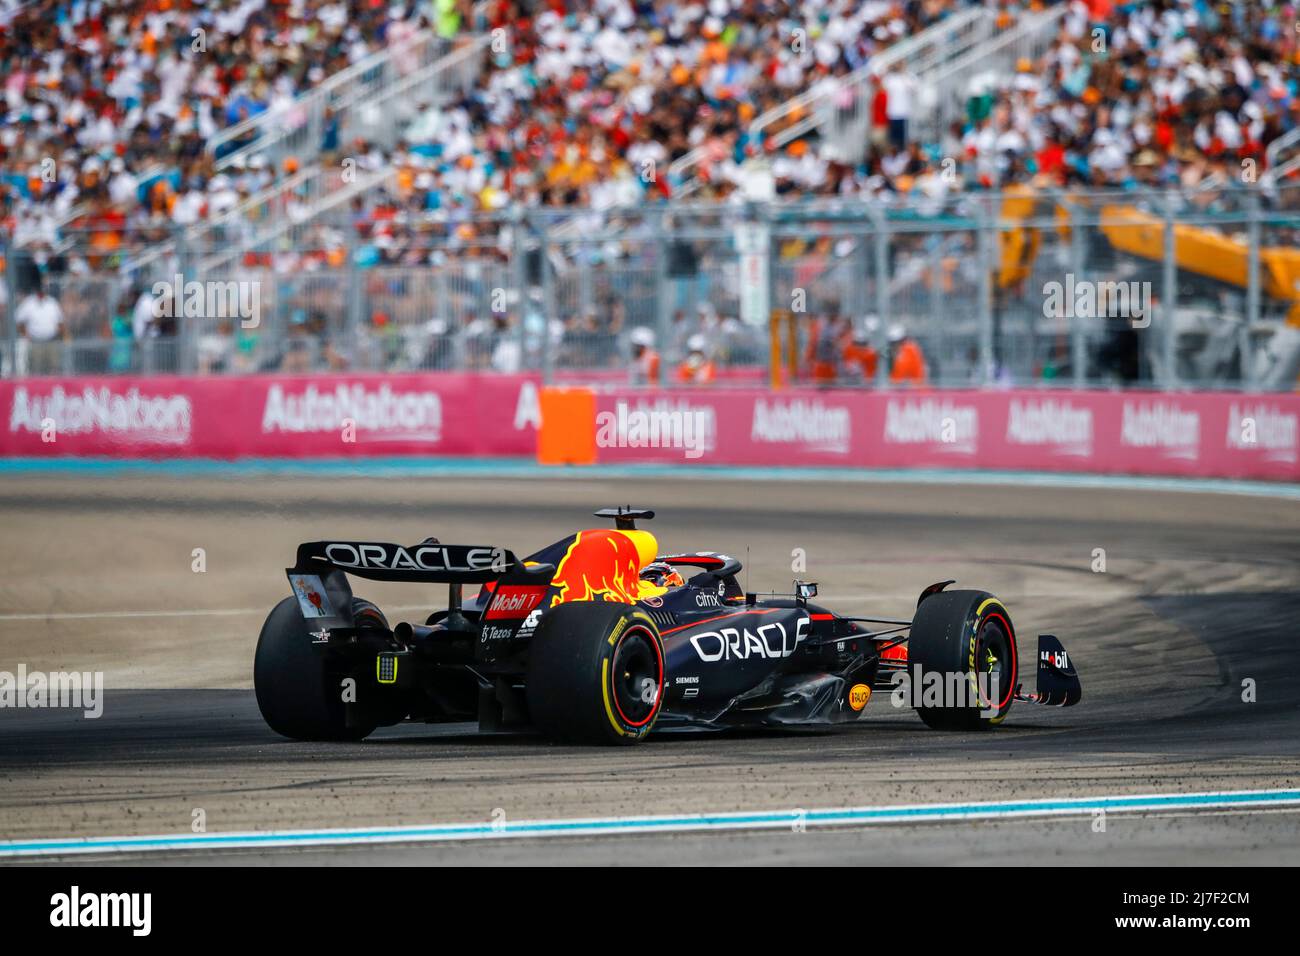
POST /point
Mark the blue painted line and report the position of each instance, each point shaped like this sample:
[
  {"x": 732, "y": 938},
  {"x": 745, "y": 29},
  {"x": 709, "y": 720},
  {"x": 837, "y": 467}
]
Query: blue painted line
[
  {"x": 917, "y": 813},
  {"x": 422, "y": 467}
]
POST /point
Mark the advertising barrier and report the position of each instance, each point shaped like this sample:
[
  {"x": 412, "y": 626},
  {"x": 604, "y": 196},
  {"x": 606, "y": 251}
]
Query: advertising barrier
[
  {"x": 1225, "y": 435},
  {"x": 271, "y": 416},
  {"x": 1203, "y": 434}
]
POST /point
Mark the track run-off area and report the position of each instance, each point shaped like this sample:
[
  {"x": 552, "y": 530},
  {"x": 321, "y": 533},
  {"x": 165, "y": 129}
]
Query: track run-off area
[{"x": 1177, "y": 602}]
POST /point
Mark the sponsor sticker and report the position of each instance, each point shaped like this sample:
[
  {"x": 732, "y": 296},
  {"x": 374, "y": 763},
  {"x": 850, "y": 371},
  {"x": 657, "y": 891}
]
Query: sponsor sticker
[
  {"x": 944, "y": 424},
  {"x": 1059, "y": 660},
  {"x": 381, "y": 414},
  {"x": 771, "y": 641},
  {"x": 530, "y": 624},
  {"x": 1048, "y": 423},
  {"x": 859, "y": 694},
  {"x": 125, "y": 414},
  {"x": 811, "y": 423},
  {"x": 600, "y": 563},
  {"x": 1163, "y": 426},
  {"x": 311, "y": 596},
  {"x": 514, "y": 603},
  {"x": 491, "y": 634}
]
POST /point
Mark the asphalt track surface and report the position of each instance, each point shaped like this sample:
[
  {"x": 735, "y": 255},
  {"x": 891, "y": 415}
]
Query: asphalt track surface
[{"x": 1198, "y": 601}]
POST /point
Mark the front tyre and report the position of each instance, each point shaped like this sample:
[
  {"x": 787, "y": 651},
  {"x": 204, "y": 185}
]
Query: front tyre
[
  {"x": 595, "y": 673},
  {"x": 298, "y": 693},
  {"x": 966, "y": 641}
]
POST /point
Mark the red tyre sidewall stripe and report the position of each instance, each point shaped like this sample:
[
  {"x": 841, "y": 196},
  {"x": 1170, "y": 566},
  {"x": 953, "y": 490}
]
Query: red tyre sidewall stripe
[
  {"x": 659, "y": 694},
  {"x": 1015, "y": 663}
]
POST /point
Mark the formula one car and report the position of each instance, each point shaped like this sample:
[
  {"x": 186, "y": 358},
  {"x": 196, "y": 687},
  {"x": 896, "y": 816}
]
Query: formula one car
[{"x": 600, "y": 639}]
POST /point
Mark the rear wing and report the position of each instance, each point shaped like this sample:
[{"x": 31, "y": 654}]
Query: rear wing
[
  {"x": 429, "y": 561},
  {"x": 319, "y": 577}
]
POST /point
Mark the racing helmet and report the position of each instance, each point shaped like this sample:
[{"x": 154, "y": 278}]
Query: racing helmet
[{"x": 662, "y": 574}]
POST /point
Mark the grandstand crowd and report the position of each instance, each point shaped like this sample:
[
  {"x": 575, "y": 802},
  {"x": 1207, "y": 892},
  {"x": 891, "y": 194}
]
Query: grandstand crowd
[{"x": 110, "y": 109}]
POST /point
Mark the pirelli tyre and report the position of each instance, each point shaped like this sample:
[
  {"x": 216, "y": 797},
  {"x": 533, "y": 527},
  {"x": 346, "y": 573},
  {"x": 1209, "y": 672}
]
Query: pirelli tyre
[
  {"x": 298, "y": 693},
  {"x": 962, "y": 660},
  {"x": 595, "y": 673}
]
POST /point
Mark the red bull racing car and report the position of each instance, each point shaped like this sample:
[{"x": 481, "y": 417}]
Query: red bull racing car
[{"x": 599, "y": 638}]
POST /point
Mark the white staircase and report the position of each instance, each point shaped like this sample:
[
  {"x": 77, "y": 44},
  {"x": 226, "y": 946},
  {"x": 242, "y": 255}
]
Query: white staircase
[
  {"x": 1282, "y": 157},
  {"x": 948, "y": 84},
  {"x": 292, "y": 204},
  {"x": 943, "y": 58},
  {"x": 373, "y": 99},
  {"x": 844, "y": 128}
]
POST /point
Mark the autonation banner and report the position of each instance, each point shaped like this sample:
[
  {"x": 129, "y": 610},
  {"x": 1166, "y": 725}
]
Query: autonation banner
[
  {"x": 271, "y": 416},
  {"x": 1207, "y": 435},
  {"x": 1204, "y": 434}
]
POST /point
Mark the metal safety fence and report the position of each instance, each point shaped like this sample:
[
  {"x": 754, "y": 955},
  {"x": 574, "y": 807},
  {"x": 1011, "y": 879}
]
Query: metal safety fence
[{"x": 1164, "y": 289}]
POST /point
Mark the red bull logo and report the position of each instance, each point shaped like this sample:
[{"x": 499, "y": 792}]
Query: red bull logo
[{"x": 603, "y": 564}]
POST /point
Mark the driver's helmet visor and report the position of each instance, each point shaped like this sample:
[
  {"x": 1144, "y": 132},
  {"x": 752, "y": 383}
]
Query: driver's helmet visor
[{"x": 662, "y": 574}]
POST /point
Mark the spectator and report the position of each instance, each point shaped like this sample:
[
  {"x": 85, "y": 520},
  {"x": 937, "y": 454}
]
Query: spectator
[
  {"x": 119, "y": 330},
  {"x": 697, "y": 368},
  {"x": 900, "y": 98},
  {"x": 907, "y": 365},
  {"x": 302, "y": 348},
  {"x": 40, "y": 322},
  {"x": 825, "y": 341},
  {"x": 859, "y": 360},
  {"x": 507, "y": 353},
  {"x": 144, "y": 318},
  {"x": 216, "y": 348},
  {"x": 645, "y": 360}
]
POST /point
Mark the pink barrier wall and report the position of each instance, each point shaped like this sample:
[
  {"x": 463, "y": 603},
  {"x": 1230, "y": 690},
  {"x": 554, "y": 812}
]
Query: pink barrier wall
[
  {"x": 273, "y": 416},
  {"x": 739, "y": 376},
  {"x": 1204, "y": 434}
]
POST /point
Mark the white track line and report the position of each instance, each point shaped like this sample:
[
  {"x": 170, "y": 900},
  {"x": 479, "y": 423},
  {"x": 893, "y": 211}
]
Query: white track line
[
  {"x": 876, "y": 596},
  {"x": 191, "y": 612}
]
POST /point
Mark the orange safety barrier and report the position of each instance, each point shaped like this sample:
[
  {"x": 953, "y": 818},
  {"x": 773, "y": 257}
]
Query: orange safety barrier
[{"x": 567, "y": 435}]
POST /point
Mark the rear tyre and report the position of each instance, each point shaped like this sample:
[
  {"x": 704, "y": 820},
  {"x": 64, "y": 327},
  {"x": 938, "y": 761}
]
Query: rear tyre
[
  {"x": 299, "y": 694},
  {"x": 595, "y": 673},
  {"x": 966, "y": 638}
]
